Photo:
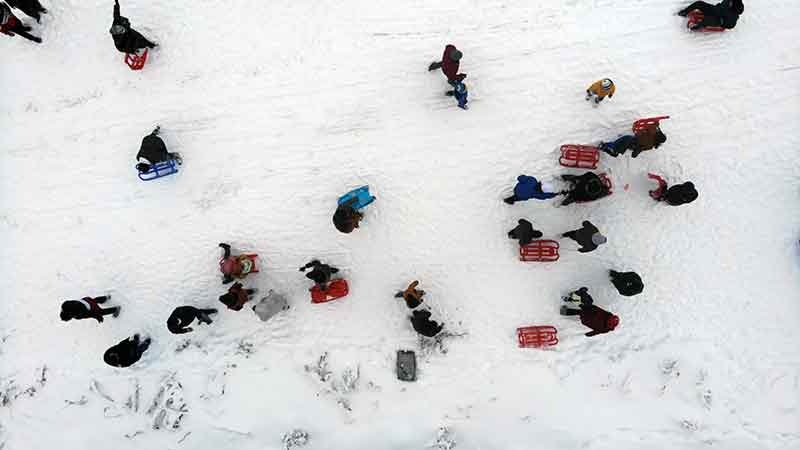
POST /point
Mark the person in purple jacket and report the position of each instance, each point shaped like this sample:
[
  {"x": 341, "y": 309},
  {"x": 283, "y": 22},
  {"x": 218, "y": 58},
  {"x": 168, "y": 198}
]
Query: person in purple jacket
[{"x": 528, "y": 188}]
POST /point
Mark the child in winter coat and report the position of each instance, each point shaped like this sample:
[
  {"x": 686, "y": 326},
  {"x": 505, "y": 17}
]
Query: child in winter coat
[
  {"x": 460, "y": 93},
  {"x": 422, "y": 323},
  {"x": 645, "y": 139},
  {"x": 724, "y": 14},
  {"x": 87, "y": 308},
  {"x": 585, "y": 188},
  {"x": 32, "y": 8},
  {"x": 321, "y": 273},
  {"x": 594, "y": 317},
  {"x": 347, "y": 217},
  {"x": 528, "y": 188},
  {"x": 588, "y": 237},
  {"x": 679, "y": 194},
  {"x": 449, "y": 64},
  {"x": 11, "y": 25},
  {"x": 126, "y": 39},
  {"x": 183, "y": 316},
  {"x": 627, "y": 283},
  {"x": 127, "y": 352},
  {"x": 153, "y": 151},
  {"x": 236, "y": 297},
  {"x": 411, "y": 295},
  {"x": 234, "y": 266},
  {"x": 601, "y": 89},
  {"x": 524, "y": 232}
]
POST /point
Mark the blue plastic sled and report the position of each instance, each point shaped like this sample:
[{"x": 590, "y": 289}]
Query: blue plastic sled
[
  {"x": 159, "y": 170},
  {"x": 362, "y": 194}
]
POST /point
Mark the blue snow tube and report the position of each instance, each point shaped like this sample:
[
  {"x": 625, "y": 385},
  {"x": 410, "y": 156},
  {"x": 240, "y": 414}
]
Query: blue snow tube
[
  {"x": 362, "y": 195},
  {"x": 158, "y": 170}
]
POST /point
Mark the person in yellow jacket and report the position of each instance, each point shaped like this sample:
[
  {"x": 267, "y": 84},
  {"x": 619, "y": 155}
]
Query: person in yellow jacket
[{"x": 600, "y": 89}]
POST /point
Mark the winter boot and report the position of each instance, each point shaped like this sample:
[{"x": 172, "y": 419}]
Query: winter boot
[{"x": 117, "y": 310}]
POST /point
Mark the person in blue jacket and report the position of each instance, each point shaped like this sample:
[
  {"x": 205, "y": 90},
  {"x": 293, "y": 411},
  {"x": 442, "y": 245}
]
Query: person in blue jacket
[{"x": 528, "y": 188}]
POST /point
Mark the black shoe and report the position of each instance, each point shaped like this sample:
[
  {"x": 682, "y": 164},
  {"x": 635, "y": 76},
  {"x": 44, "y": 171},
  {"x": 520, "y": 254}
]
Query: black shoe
[
  {"x": 683, "y": 13},
  {"x": 116, "y": 312}
]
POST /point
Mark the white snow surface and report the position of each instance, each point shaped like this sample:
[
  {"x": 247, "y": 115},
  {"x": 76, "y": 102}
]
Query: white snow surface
[{"x": 279, "y": 107}]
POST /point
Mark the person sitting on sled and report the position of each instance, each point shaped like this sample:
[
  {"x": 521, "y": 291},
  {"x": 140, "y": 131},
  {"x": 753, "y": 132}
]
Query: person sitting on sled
[
  {"x": 126, "y": 39},
  {"x": 524, "y": 232},
  {"x": 584, "y": 188},
  {"x": 460, "y": 93},
  {"x": 411, "y": 295},
  {"x": 601, "y": 89},
  {"x": 347, "y": 217},
  {"x": 321, "y": 273},
  {"x": 724, "y": 14},
  {"x": 594, "y": 317},
  {"x": 234, "y": 266},
  {"x": 11, "y": 25},
  {"x": 528, "y": 188},
  {"x": 236, "y": 296},
  {"x": 422, "y": 323},
  {"x": 32, "y": 8},
  {"x": 588, "y": 237},
  {"x": 645, "y": 139},
  {"x": 154, "y": 151},
  {"x": 627, "y": 283}
]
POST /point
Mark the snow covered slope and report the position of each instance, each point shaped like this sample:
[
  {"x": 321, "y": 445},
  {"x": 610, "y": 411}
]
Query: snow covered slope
[{"x": 278, "y": 107}]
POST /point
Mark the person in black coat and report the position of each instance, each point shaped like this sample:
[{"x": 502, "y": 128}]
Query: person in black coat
[
  {"x": 588, "y": 237},
  {"x": 11, "y": 25},
  {"x": 346, "y": 217},
  {"x": 585, "y": 188},
  {"x": 679, "y": 194},
  {"x": 182, "y": 317},
  {"x": 724, "y": 14},
  {"x": 31, "y": 8},
  {"x": 422, "y": 323},
  {"x": 127, "y": 352},
  {"x": 87, "y": 308},
  {"x": 321, "y": 273},
  {"x": 153, "y": 151},
  {"x": 126, "y": 39},
  {"x": 627, "y": 283},
  {"x": 524, "y": 232}
]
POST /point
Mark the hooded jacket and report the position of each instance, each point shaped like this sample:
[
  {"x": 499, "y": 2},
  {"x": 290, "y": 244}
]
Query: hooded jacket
[
  {"x": 598, "y": 319},
  {"x": 586, "y": 237},
  {"x": 529, "y": 187},
  {"x": 449, "y": 66}
]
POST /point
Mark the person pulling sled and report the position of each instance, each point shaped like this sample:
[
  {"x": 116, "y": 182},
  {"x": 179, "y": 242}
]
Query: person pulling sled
[
  {"x": 723, "y": 15},
  {"x": 524, "y": 232},
  {"x": 127, "y": 352},
  {"x": 11, "y": 25},
  {"x": 592, "y": 316},
  {"x": 584, "y": 188},
  {"x": 183, "y": 316},
  {"x": 87, "y": 308},
  {"x": 601, "y": 89},
  {"x": 320, "y": 273},
  {"x": 126, "y": 39},
  {"x": 588, "y": 237},
  {"x": 530, "y": 188},
  {"x": 411, "y": 295},
  {"x": 31, "y": 8}
]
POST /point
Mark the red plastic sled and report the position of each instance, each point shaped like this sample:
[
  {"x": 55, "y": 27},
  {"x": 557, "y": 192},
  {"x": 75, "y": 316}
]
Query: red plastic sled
[
  {"x": 544, "y": 250},
  {"x": 656, "y": 193},
  {"x": 136, "y": 62},
  {"x": 696, "y": 17},
  {"x": 336, "y": 289},
  {"x": 579, "y": 156},
  {"x": 537, "y": 336},
  {"x": 642, "y": 124}
]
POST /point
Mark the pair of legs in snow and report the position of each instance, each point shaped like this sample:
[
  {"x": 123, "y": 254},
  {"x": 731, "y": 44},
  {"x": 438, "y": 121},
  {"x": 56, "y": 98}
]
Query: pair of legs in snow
[{"x": 22, "y": 30}]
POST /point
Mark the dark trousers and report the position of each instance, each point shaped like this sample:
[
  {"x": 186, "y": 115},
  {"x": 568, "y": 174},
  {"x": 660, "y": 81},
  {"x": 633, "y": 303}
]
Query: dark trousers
[
  {"x": 105, "y": 311},
  {"x": 619, "y": 146},
  {"x": 22, "y": 30}
]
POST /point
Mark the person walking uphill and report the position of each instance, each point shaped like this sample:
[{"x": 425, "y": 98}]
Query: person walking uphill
[
  {"x": 87, "y": 308},
  {"x": 724, "y": 14},
  {"x": 592, "y": 316},
  {"x": 321, "y": 273},
  {"x": 183, "y": 316},
  {"x": 528, "y": 188},
  {"x": 588, "y": 237},
  {"x": 451, "y": 59},
  {"x": 127, "y": 352},
  {"x": 11, "y": 25},
  {"x": 126, "y": 39},
  {"x": 31, "y": 8}
]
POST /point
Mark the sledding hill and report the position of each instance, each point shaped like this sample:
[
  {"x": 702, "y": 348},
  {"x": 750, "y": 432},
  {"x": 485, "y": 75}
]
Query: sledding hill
[{"x": 280, "y": 107}]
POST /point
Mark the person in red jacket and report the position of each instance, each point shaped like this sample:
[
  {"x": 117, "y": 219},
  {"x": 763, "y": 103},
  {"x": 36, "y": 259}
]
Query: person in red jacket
[
  {"x": 11, "y": 25},
  {"x": 594, "y": 317},
  {"x": 449, "y": 64}
]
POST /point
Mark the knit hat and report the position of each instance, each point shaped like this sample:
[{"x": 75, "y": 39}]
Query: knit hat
[
  {"x": 456, "y": 55},
  {"x": 598, "y": 239},
  {"x": 613, "y": 321}
]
